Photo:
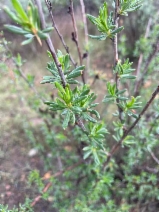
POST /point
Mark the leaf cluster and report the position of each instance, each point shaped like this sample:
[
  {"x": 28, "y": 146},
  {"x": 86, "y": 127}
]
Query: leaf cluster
[
  {"x": 74, "y": 102},
  {"x": 127, "y": 6},
  {"x": 66, "y": 68},
  {"x": 28, "y": 20},
  {"x": 124, "y": 70},
  {"x": 113, "y": 94},
  {"x": 130, "y": 106},
  {"x": 96, "y": 137},
  {"x": 104, "y": 23}
]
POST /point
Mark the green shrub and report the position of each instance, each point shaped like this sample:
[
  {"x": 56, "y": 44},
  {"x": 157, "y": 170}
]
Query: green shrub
[{"x": 104, "y": 165}]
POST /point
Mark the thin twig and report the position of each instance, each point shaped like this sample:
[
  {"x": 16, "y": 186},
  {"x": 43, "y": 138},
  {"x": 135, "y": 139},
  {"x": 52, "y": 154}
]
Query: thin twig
[
  {"x": 23, "y": 75},
  {"x": 53, "y": 176},
  {"x": 140, "y": 82},
  {"x": 75, "y": 37},
  {"x": 30, "y": 85},
  {"x": 141, "y": 55},
  {"x": 117, "y": 146},
  {"x": 116, "y": 56},
  {"x": 85, "y": 31},
  {"x": 58, "y": 32},
  {"x": 153, "y": 156},
  {"x": 154, "y": 124},
  {"x": 53, "y": 53},
  {"x": 141, "y": 78},
  {"x": 50, "y": 45}
]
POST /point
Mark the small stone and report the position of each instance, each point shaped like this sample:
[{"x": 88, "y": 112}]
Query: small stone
[{"x": 32, "y": 152}]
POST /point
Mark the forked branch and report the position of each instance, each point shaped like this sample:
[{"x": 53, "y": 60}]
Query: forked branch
[
  {"x": 48, "y": 3},
  {"x": 75, "y": 37},
  {"x": 118, "y": 145}
]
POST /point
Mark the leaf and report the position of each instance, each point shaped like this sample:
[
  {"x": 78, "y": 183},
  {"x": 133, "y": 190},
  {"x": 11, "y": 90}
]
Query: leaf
[
  {"x": 60, "y": 88},
  {"x": 117, "y": 30},
  {"x": 95, "y": 113},
  {"x": 94, "y": 105},
  {"x": 93, "y": 19},
  {"x": 76, "y": 109},
  {"x": 96, "y": 158},
  {"x": 122, "y": 98},
  {"x": 79, "y": 99},
  {"x": 12, "y": 15},
  {"x": 47, "y": 30},
  {"x": 127, "y": 76},
  {"x": 71, "y": 81},
  {"x": 30, "y": 79},
  {"x": 98, "y": 37},
  {"x": 121, "y": 92},
  {"x": 73, "y": 118},
  {"x": 76, "y": 72},
  {"x": 89, "y": 118},
  {"x": 42, "y": 35},
  {"x": 15, "y": 29},
  {"x": 87, "y": 154},
  {"x": 19, "y": 9},
  {"x": 66, "y": 120},
  {"x": 27, "y": 41}
]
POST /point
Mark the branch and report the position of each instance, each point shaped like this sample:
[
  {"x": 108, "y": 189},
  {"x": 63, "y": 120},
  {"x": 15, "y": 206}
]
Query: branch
[
  {"x": 153, "y": 156},
  {"x": 53, "y": 53},
  {"x": 30, "y": 86},
  {"x": 140, "y": 82},
  {"x": 116, "y": 147},
  {"x": 55, "y": 175},
  {"x": 50, "y": 45},
  {"x": 141, "y": 79},
  {"x": 75, "y": 36},
  {"x": 58, "y": 32},
  {"x": 85, "y": 30},
  {"x": 141, "y": 55},
  {"x": 22, "y": 74},
  {"x": 116, "y": 56}
]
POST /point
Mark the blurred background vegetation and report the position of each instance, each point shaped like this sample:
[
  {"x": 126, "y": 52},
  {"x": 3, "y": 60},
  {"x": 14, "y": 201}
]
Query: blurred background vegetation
[{"x": 32, "y": 142}]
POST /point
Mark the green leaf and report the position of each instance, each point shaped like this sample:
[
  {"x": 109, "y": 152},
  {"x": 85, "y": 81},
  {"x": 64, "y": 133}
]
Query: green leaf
[
  {"x": 127, "y": 76},
  {"x": 122, "y": 98},
  {"x": 12, "y": 15},
  {"x": 76, "y": 109},
  {"x": 47, "y": 30},
  {"x": 76, "y": 72},
  {"x": 117, "y": 30},
  {"x": 42, "y": 35},
  {"x": 73, "y": 118},
  {"x": 15, "y": 29},
  {"x": 30, "y": 79},
  {"x": 19, "y": 9},
  {"x": 92, "y": 19},
  {"x": 27, "y": 41},
  {"x": 89, "y": 118},
  {"x": 87, "y": 154},
  {"x": 66, "y": 119},
  {"x": 95, "y": 113},
  {"x": 98, "y": 37},
  {"x": 60, "y": 88}
]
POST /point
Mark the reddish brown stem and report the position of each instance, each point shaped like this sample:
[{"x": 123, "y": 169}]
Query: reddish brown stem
[
  {"x": 75, "y": 36},
  {"x": 58, "y": 32},
  {"x": 116, "y": 55}
]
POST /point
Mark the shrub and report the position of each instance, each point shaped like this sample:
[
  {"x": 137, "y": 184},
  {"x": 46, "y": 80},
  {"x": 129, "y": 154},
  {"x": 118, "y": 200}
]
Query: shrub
[{"x": 109, "y": 164}]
